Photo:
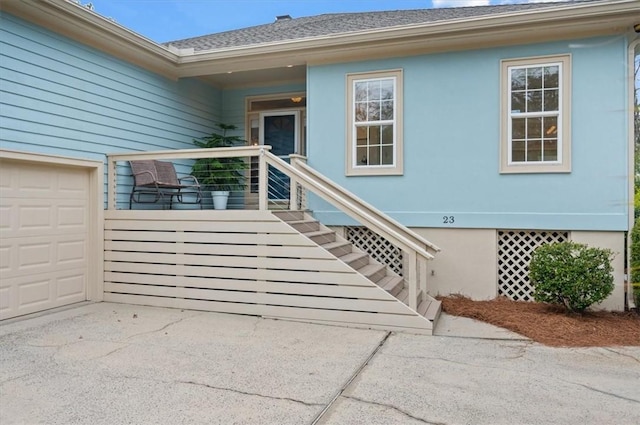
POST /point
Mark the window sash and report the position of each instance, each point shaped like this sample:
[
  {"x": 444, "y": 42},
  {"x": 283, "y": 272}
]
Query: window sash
[
  {"x": 380, "y": 120},
  {"x": 553, "y": 117}
]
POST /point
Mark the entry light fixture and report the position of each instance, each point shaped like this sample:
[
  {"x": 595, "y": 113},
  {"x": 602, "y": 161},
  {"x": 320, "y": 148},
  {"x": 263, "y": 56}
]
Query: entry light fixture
[{"x": 296, "y": 99}]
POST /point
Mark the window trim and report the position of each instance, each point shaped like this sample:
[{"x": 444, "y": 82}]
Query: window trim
[
  {"x": 564, "y": 121},
  {"x": 374, "y": 170}
]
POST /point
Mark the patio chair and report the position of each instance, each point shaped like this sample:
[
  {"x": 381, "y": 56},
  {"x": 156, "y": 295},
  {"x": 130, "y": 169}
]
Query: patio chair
[{"x": 157, "y": 181}]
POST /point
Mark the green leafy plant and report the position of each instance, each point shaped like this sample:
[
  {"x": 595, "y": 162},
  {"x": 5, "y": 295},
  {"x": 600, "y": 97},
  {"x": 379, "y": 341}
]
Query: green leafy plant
[
  {"x": 571, "y": 274},
  {"x": 223, "y": 174},
  {"x": 635, "y": 263}
]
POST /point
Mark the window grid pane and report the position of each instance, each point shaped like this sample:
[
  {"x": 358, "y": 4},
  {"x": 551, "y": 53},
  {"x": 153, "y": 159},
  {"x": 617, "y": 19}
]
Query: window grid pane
[
  {"x": 374, "y": 120},
  {"x": 534, "y": 109},
  {"x": 374, "y": 145}
]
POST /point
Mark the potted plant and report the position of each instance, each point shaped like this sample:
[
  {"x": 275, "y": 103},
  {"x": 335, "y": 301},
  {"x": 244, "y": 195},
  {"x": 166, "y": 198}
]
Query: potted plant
[{"x": 220, "y": 175}]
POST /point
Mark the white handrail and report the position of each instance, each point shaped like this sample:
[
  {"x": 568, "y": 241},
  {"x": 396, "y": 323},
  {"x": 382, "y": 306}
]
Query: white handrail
[
  {"x": 230, "y": 152},
  {"x": 355, "y": 208},
  {"x": 238, "y": 151},
  {"x": 368, "y": 207}
]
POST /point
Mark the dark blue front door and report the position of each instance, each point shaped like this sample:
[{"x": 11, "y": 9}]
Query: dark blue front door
[{"x": 280, "y": 134}]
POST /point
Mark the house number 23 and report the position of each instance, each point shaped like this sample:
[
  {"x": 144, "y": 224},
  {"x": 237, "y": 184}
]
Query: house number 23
[{"x": 448, "y": 219}]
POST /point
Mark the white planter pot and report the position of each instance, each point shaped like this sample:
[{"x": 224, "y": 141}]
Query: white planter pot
[{"x": 220, "y": 199}]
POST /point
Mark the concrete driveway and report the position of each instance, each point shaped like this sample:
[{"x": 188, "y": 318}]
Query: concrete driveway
[{"x": 121, "y": 364}]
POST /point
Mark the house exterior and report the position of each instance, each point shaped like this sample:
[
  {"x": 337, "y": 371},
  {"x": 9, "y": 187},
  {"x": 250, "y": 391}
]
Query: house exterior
[{"x": 486, "y": 130}]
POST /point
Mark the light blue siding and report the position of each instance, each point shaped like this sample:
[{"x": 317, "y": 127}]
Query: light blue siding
[
  {"x": 63, "y": 98},
  {"x": 452, "y": 141}
]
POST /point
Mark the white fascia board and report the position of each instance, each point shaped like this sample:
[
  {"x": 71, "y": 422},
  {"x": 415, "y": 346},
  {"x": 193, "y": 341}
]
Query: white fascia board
[{"x": 86, "y": 26}]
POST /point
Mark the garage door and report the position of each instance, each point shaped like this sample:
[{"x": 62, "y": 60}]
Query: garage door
[{"x": 44, "y": 216}]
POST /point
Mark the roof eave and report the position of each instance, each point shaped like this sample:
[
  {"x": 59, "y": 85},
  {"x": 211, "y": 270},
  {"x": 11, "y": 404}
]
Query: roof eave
[
  {"x": 590, "y": 19},
  {"x": 81, "y": 24},
  {"x": 573, "y": 20}
]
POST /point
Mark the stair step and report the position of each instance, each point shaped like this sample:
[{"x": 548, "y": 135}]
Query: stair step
[
  {"x": 403, "y": 296},
  {"x": 321, "y": 236},
  {"x": 304, "y": 226},
  {"x": 289, "y": 215},
  {"x": 373, "y": 272},
  {"x": 433, "y": 310},
  {"x": 424, "y": 307},
  {"x": 356, "y": 260},
  {"x": 338, "y": 248},
  {"x": 391, "y": 284}
]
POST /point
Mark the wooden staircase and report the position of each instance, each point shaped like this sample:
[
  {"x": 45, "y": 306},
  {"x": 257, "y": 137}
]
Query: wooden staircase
[
  {"x": 275, "y": 264},
  {"x": 361, "y": 262}
]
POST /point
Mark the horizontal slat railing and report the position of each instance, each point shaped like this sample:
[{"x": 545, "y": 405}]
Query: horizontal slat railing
[
  {"x": 246, "y": 262},
  {"x": 268, "y": 178}
]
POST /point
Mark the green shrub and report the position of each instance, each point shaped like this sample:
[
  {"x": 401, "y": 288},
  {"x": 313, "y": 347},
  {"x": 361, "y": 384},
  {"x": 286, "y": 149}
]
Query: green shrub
[
  {"x": 571, "y": 274},
  {"x": 635, "y": 263},
  {"x": 636, "y": 295}
]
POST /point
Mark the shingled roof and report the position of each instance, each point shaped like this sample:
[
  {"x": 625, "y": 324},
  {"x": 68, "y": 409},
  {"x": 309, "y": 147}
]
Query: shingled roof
[{"x": 340, "y": 23}]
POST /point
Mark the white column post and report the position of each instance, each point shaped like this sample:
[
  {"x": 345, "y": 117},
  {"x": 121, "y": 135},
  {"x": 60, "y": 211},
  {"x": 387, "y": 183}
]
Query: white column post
[
  {"x": 422, "y": 276},
  {"x": 293, "y": 187},
  {"x": 263, "y": 182},
  {"x": 111, "y": 185},
  {"x": 412, "y": 279}
]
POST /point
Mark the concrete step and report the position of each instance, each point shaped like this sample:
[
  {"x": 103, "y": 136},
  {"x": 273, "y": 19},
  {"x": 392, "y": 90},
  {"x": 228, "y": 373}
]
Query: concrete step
[
  {"x": 355, "y": 260},
  {"x": 391, "y": 284}
]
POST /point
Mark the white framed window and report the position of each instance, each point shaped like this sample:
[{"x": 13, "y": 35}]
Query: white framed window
[
  {"x": 374, "y": 117},
  {"x": 536, "y": 115}
]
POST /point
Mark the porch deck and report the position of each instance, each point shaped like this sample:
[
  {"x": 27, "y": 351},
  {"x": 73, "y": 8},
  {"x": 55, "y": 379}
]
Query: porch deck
[{"x": 248, "y": 260}]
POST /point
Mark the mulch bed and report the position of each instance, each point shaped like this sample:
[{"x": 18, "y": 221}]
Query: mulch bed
[{"x": 550, "y": 325}]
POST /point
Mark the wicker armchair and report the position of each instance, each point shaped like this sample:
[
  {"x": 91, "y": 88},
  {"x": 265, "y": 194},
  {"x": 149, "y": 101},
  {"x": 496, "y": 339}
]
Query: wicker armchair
[{"x": 157, "y": 181}]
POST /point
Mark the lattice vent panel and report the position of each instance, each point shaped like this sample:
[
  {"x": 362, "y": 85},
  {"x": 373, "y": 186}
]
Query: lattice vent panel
[
  {"x": 376, "y": 246},
  {"x": 515, "y": 248}
]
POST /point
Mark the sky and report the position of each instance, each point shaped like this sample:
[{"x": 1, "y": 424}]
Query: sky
[{"x": 168, "y": 20}]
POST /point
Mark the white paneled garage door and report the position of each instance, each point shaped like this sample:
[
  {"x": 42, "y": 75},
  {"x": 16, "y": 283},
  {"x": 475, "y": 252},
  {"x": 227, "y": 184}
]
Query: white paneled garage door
[{"x": 44, "y": 221}]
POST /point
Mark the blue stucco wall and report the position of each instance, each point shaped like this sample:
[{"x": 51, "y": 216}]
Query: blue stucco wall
[
  {"x": 452, "y": 141},
  {"x": 60, "y": 97}
]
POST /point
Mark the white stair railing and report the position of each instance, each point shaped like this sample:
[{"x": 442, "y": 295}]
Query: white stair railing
[{"x": 416, "y": 249}]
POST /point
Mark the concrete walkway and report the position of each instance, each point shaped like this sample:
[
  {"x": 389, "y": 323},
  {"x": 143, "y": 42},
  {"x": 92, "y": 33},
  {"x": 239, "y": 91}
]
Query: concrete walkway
[{"x": 121, "y": 364}]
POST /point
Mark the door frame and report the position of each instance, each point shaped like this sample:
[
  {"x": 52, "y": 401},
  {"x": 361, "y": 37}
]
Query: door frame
[
  {"x": 253, "y": 114},
  {"x": 277, "y": 113}
]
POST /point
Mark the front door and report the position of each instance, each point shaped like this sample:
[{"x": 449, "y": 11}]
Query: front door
[{"x": 280, "y": 130}]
